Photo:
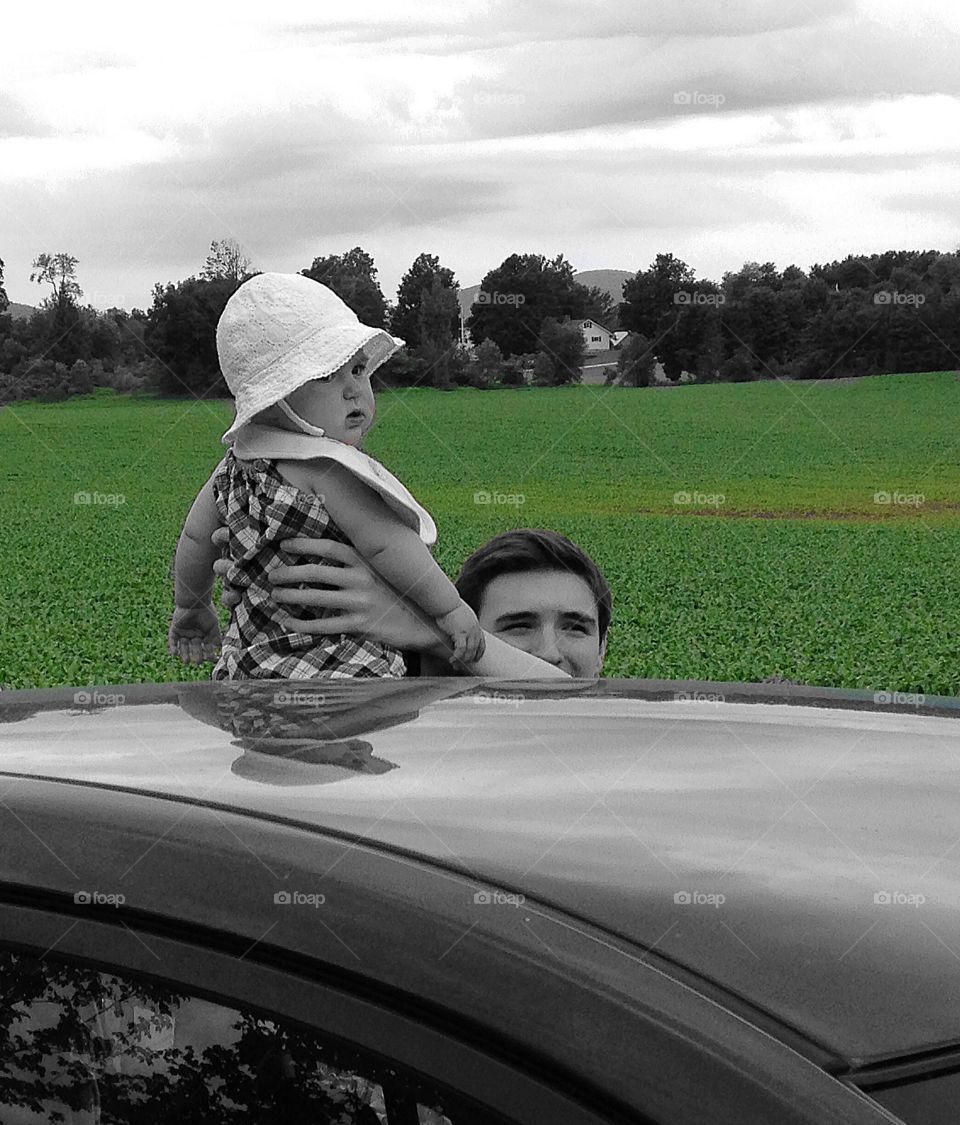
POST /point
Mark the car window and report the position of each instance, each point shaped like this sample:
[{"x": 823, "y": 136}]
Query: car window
[
  {"x": 933, "y": 1100},
  {"x": 86, "y": 1047}
]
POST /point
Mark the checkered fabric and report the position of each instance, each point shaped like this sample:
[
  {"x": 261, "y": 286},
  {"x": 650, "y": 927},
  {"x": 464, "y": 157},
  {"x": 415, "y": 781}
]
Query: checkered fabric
[{"x": 260, "y": 509}]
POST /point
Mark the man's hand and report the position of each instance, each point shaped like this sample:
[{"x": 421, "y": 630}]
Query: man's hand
[
  {"x": 229, "y": 596},
  {"x": 362, "y": 601},
  {"x": 194, "y": 635}
]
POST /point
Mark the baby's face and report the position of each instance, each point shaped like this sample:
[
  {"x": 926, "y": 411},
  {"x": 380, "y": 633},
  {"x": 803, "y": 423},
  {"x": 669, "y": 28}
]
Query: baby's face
[{"x": 343, "y": 406}]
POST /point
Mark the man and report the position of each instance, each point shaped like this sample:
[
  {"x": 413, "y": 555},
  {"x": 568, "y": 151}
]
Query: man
[{"x": 533, "y": 591}]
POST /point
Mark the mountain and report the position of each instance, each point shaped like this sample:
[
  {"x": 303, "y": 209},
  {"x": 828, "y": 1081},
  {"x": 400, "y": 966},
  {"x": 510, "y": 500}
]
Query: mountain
[
  {"x": 609, "y": 280},
  {"x": 20, "y": 312}
]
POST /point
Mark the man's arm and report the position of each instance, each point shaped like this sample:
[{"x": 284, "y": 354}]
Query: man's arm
[{"x": 499, "y": 659}]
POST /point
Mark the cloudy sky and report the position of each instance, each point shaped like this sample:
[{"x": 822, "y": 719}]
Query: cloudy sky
[{"x": 608, "y": 130}]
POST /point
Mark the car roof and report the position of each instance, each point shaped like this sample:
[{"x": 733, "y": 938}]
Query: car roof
[{"x": 796, "y": 848}]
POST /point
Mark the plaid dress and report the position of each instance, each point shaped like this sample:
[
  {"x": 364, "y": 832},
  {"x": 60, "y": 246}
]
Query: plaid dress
[{"x": 260, "y": 509}]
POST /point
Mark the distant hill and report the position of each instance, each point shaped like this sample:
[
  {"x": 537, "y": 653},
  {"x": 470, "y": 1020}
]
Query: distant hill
[
  {"x": 20, "y": 312},
  {"x": 610, "y": 280}
]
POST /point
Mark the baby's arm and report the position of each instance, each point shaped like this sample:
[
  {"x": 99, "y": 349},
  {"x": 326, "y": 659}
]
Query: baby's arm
[
  {"x": 397, "y": 552},
  {"x": 194, "y": 634}
]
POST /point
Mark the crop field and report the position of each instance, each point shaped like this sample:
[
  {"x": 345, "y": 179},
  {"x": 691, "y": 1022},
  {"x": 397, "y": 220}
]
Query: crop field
[{"x": 804, "y": 530}]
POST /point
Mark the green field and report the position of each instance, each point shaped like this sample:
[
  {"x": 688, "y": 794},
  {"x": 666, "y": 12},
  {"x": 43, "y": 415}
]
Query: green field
[{"x": 775, "y": 558}]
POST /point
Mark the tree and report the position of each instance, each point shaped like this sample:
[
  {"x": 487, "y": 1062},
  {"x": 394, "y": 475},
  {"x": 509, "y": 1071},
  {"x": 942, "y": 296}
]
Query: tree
[
  {"x": 565, "y": 345},
  {"x": 6, "y": 321},
  {"x": 678, "y": 314},
  {"x": 416, "y": 283},
  {"x": 600, "y": 306},
  {"x": 544, "y": 372},
  {"x": 517, "y": 296},
  {"x": 650, "y": 298},
  {"x": 181, "y": 333},
  {"x": 636, "y": 362},
  {"x": 59, "y": 317},
  {"x": 226, "y": 261},
  {"x": 103, "y": 1048},
  {"x": 439, "y": 310},
  {"x": 353, "y": 277},
  {"x": 60, "y": 272}
]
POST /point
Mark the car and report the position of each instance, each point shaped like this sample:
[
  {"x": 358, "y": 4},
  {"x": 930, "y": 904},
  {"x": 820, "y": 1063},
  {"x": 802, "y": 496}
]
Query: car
[{"x": 456, "y": 900}]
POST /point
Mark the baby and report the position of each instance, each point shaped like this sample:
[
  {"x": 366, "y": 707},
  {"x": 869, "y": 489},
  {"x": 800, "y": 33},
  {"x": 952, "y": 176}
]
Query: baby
[{"x": 298, "y": 363}]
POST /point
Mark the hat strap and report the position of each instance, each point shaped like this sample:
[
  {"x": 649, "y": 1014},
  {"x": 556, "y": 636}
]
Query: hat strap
[{"x": 302, "y": 424}]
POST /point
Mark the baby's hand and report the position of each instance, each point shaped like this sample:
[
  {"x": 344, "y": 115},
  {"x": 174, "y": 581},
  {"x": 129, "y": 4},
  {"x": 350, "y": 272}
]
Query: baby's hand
[
  {"x": 465, "y": 634},
  {"x": 194, "y": 635}
]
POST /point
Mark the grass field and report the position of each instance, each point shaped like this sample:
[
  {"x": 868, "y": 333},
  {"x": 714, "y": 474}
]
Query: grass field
[{"x": 740, "y": 526}]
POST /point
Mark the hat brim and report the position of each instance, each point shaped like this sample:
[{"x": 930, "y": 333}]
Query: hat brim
[{"x": 317, "y": 357}]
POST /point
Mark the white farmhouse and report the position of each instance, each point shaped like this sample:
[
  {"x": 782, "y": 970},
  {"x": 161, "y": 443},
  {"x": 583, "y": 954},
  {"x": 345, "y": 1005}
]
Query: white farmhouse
[{"x": 595, "y": 336}]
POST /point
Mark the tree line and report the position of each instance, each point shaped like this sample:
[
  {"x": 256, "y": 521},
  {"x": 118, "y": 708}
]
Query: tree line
[{"x": 867, "y": 314}]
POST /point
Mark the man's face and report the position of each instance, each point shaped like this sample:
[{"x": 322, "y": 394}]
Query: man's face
[
  {"x": 548, "y": 613},
  {"x": 343, "y": 405}
]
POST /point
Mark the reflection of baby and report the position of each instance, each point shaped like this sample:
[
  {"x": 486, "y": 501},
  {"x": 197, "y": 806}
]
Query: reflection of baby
[
  {"x": 289, "y": 761},
  {"x": 310, "y": 738},
  {"x": 298, "y": 362}
]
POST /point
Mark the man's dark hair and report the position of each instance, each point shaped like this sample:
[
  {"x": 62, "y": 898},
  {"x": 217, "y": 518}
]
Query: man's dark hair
[{"x": 527, "y": 549}]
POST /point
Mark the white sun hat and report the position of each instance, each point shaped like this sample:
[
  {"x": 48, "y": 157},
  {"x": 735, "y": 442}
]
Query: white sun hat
[{"x": 279, "y": 331}]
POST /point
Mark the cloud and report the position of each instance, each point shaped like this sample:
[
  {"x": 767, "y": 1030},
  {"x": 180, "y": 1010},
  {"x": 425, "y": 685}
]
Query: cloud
[
  {"x": 542, "y": 87},
  {"x": 16, "y": 121}
]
